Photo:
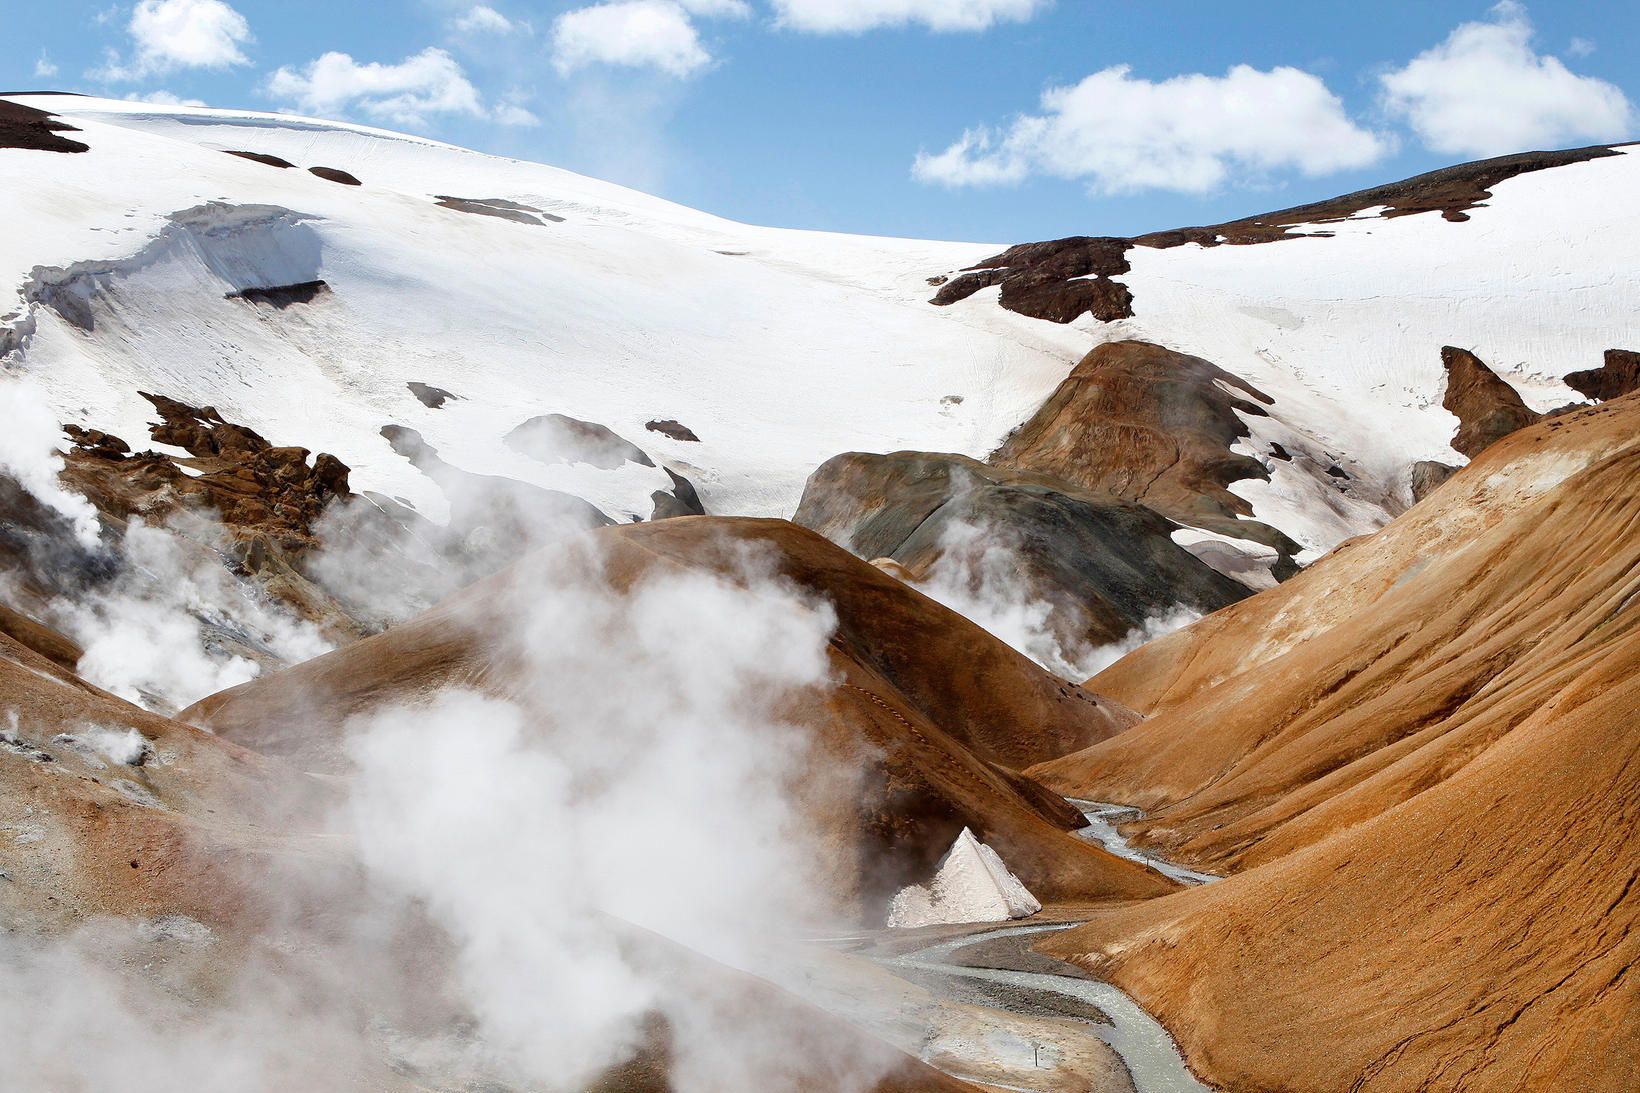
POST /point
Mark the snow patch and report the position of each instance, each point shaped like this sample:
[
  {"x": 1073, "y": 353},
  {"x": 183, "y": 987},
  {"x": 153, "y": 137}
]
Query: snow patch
[
  {"x": 972, "y": 885},
  {"x": 1242, "y": 560}
]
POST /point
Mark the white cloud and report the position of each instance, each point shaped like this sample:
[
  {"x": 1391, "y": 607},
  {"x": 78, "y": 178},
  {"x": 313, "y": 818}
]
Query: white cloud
[
  {"x": 737, "y": 9},
  {"x": 408, "y": 93},
  {"x": 1484, "y": 92},
  {"x": 857, "y": 16},
  {"x": 176, "y": 34},
  {"x": 482, "y": 19},
  {"x": 1189, "y": 133},
  {"x": 162, "y": 98},
  {"x": 1580, "y": 47},
  {"x": 513, "y": 114},
  {"x": 635, "y": 34},
  {"x": 44, "y": 69}
]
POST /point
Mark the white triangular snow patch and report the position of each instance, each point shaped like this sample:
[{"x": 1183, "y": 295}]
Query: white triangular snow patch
[{"x": 972, "y": 885}]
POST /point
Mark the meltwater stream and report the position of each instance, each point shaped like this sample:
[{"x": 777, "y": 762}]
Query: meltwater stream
[
  {"x": 1149, "y": 1053},
  {"x": 1102, "y": 820}
]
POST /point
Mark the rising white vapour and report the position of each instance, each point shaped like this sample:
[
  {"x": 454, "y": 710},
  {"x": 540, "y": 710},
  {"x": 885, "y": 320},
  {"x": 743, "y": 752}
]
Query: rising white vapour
[
  {"x": 162, "y": 620},
  {"x": 28, "y": 453},
  {"x": 1156, "y": 626},
  {"x": 597, "y": 840},
  {"x": 641, "y": 778},
  {"x": 601, "y": 837},
  {"x": 162, "y": 632},
  {"x": 977, "y": 575}
]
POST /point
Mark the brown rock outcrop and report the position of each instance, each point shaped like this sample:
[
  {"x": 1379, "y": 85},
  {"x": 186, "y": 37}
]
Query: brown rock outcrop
[
  {"x": 675, "y": 430},
  {"x": 558, "y": 438},
  {"x": 1619, "y": 375},
  {"x": 335, "y": 174},
  {"x": 254, "y": 488},
  {"x": 1059, "y": 280},
  {"x": 1150, "y": 425},
  {"x": 1487, "y": 408},
  {"x": 263, "y": 158}
]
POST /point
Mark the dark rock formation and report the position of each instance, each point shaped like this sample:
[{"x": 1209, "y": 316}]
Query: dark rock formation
[
  {"x": 1146, "y": 424},
  {"x": 431, "y": 397},
  {"x": 1107, "y": 564},
  {"x": 332, "y": 174},
  {"x": 1058, "y": 281},
  {"x": 1063, "y": 279},
  {"x": 95, "y": 442},
  {"x": 680, "y": 500},
  {"x": 26, "y": 128},
  {"x": 282, "y": 296},
  {"x": 263, "y": 158},
  {"x": 558, "y": 438},
  {"x": 1619, "y": 375},
  {"x": 234, "y": 500},
  {"x": 500, "y": 208},
  {"x": 1488, "y": 409},
  {"x": 668, "y": 427},
  {"x": 1428, "y": 476}
]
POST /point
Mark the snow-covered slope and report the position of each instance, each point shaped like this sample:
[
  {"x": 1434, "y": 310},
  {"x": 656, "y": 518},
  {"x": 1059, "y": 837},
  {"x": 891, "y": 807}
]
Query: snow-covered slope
[
  {"x": 1343, "y": 325},
  {"x": 777, "y": 348}
]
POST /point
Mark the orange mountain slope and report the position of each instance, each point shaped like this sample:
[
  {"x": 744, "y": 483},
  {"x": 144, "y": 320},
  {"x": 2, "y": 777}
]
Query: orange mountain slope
[{"x": 1421, "y": 760}]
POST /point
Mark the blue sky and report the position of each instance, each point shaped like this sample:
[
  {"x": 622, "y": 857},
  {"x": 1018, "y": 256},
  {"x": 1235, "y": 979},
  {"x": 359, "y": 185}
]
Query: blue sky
[{"x": 963, "y": 119}]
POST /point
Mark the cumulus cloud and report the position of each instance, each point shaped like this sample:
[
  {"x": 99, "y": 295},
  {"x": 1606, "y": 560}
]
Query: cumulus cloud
[
  {"x": 857, "y": 16},
  {"x": 513, "y": 114},
  {"x": 738, "y": 9},
  {"x": 482, "y": 19},
  {"x": 1485, "y": 91},
  {"x": 410, "y": 93},
  {"x": 1191, "y": 133},
  {"x": 44, "y": 69},
  {"x": 658, "y": 34},
  {"x": 631, "y": 33},
  {"x": 169, "y": 35}
]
